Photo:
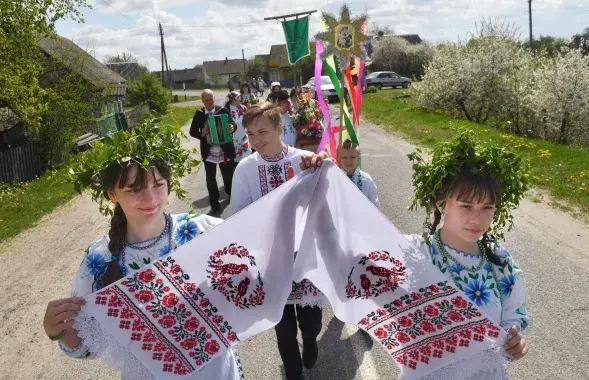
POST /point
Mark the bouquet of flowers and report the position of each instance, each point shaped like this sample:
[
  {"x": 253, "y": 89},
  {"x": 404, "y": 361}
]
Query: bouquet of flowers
[{"x": 308, "y": 118}]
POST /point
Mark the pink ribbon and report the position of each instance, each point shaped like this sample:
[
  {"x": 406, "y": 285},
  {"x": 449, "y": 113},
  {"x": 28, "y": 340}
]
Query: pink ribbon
[
  {"x": 359, "y": 92},
  {"x": 328, "y": 135}
]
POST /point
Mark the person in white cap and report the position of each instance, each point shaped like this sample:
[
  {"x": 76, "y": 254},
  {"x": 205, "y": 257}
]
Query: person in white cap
[{"x": 275, "y": 90}]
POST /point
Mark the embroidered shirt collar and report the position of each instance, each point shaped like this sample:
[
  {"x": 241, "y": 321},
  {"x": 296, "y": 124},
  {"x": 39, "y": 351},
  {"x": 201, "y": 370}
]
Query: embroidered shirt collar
[{"x": 278, "y": 157}]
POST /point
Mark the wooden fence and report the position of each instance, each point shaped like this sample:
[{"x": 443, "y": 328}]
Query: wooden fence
[{"x": 22, "y": 163}]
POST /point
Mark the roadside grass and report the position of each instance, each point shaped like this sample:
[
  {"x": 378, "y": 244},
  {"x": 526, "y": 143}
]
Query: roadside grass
[{"x": 561, "y": 170}]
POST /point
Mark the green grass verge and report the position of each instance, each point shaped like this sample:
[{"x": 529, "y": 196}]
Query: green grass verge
[
  {"x": 561, "y": 170},
  {"x": 179, "y": 115},
  {"x": 22, "y": 205}
]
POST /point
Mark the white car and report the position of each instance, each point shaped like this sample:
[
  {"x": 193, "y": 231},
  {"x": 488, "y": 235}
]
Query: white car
[{"x": 327, "y": 88}]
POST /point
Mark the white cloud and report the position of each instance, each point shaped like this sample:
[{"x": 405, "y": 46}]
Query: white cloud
[{"x": 227, "y": 26}]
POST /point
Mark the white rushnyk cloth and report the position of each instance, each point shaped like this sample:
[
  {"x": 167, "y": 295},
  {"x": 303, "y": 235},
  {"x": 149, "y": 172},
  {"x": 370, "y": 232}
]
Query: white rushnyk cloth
[{"x": 232, "y": 282}]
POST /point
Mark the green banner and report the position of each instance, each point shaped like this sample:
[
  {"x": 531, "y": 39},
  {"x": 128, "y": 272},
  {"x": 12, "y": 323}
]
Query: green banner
[{"x": 296, "y": 33}]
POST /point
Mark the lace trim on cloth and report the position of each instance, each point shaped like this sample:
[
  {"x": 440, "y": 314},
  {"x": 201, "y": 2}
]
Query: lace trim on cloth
[
  {"x": 107, "y": 348},
  {"x": 471, "y": 368}
]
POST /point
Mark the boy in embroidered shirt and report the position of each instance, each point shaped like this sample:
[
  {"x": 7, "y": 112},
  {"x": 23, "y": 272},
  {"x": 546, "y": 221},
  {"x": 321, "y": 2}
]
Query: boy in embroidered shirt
[
  {"x": 349, "y": 154},
  {"x": 270, "y": 166}
]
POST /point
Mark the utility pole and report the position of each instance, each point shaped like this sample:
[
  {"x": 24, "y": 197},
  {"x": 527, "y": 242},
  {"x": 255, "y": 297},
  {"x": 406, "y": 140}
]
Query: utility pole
[
  {"x": 531, "y": 36},
  {"x": 165, "y": 65},
  {"x": 244, "y": 70},
  {"x": 283, "y": 18},
  {"x": 162, "y": 52}
]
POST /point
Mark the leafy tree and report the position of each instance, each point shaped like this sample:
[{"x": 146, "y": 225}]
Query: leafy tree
[
  {"x": 125, "y": 57},
  {"x": 148, "y": 89},
  {"x": 71, "y": 108},
  {"x": 21, "y": 22},
  {"x": 254, "y": 68}
]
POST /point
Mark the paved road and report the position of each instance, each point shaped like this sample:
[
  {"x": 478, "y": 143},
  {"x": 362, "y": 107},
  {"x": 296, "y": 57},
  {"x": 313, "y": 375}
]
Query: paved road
[{"x": 548, "y": 245}]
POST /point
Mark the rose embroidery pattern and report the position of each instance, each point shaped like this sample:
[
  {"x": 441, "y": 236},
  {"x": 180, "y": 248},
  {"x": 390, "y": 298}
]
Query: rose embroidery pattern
[
  {"x": 426, "y": 324},
  {"x": 225, "y": 277},
  {"x": 376, "y": 280},
  {"x": 177, "y": 324}
]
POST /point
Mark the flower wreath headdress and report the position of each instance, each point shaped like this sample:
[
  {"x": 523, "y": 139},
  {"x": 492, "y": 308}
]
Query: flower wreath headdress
[
  {"x": 447, "y": 160},
  {"x": 142, "y": 145}
]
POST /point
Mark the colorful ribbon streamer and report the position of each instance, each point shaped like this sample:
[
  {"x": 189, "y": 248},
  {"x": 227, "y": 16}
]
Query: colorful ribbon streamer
[
  {"x": 327, "y": 134},
  {"x": 331, "y": 71}
]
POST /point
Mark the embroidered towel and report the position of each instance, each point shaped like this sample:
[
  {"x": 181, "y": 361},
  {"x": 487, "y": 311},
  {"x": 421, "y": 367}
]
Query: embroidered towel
[{"x": 232, "y": 282}]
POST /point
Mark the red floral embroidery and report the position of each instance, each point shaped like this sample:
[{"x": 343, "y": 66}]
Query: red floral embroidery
[
  {"x": 147, "y": 276},
  {"x": 423, "y": 325},
  {"x": 263, "y": 181},
  {"x": 184, "y": 313},
  {"x": 201, "y": 304},
  {"x": 302, "y": 289},
  {"x": 223, "y": 277},
  {"x": 380, "y": 280},
  {"x": 143, "y": 330}
]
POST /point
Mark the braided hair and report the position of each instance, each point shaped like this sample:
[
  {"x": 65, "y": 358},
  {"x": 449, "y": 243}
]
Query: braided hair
[{"x": 117, "y": 175}]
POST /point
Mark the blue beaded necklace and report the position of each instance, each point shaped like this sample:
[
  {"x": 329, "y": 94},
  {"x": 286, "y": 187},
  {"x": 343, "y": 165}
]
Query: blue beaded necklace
[{"x": 146, "y": 244}]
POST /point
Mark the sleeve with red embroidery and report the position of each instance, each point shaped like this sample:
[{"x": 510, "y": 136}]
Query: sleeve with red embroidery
[{"x": 513, "y": 288}]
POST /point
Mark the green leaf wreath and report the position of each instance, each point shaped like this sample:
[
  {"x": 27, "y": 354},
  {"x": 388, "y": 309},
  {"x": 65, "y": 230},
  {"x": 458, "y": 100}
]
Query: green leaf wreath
[
  {"x": 447, "y": 158},
  {"x": 144, "y": 144}
]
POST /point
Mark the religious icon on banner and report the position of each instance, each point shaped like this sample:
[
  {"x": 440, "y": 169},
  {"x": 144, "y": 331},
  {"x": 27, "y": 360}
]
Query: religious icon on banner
[{"x": 344, "y": 36}]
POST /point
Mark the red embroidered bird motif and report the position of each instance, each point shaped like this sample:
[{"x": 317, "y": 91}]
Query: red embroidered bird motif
[
  {"x": 380, "y": 272},
  {"x": 242, "y": 287},
  {"x": 231, "y": 268},
  {"x": 365, "y": 282}
]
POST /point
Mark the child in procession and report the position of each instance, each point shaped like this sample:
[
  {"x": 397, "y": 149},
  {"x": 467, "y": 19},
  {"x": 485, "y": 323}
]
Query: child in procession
[
  {"x": 471, "y": 201},
  {"x": 349, "y": 155},
  {"x": 273, "y": 164}
]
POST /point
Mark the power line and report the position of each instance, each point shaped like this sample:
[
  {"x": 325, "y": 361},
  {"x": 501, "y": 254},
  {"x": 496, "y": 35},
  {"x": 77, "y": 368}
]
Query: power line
[{"x": 111, "y": 7}]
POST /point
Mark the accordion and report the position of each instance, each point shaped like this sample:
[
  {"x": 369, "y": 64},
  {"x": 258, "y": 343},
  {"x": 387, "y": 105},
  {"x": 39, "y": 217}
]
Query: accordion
[{"x": 218, "y": 129}]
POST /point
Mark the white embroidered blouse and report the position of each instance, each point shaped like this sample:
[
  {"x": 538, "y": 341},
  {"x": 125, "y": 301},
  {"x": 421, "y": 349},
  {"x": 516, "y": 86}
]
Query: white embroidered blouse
[
  {"x": 366, "y": 185},
  {"x": 180, "y": 229},
  {"x": 240, "y": 140},
  {"x": 499, "y": 291},
  {"x": 289, "y": 132}
]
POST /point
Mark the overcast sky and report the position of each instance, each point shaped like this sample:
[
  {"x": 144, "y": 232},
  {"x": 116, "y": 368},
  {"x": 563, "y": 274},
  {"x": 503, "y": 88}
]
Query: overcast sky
[{"x": 196, "y": 31}]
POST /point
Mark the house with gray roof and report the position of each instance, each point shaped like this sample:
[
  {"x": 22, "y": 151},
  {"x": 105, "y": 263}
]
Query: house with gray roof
[{"x": 218, "y": 73}]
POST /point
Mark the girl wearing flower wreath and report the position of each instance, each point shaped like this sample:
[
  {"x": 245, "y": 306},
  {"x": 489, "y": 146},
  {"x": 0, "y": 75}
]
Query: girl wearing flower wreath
[
  {"x": 240, "y": 141},
  {"x": 473, "y": 190},
  {"x": 131, "y": 184}
]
